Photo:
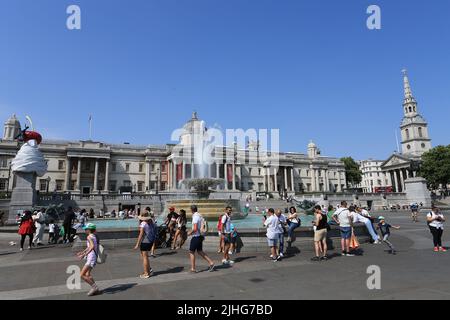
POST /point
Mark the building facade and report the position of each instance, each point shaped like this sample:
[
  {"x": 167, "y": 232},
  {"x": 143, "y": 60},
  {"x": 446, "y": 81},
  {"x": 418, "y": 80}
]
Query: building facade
[
  {"x": 373, "y": 176},
  {"x": 91, "y": 167}
]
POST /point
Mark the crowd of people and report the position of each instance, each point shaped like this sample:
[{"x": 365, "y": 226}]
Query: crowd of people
[{"x": 174, "y": 232}]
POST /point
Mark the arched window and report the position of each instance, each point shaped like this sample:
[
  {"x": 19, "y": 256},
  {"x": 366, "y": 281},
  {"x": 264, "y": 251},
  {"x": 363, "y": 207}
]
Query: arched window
[
  {"x": 407, "y": 134},
  {"x": 410, "y": 109},
  {"x": 420, "y": 132}
]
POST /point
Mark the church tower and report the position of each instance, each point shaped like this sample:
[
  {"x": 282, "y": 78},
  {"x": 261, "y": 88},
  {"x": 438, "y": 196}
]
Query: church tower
[
  {"x": 415, "y": 138},
  {"x": 11, "y": 129}
]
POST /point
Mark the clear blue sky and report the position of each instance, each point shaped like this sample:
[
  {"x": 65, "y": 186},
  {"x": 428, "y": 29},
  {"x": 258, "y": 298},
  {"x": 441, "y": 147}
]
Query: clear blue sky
[{"x": 308, "y": 67}]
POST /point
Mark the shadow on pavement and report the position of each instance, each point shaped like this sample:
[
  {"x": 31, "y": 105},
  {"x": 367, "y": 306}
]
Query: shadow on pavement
[
  {"x": 168, "y": 271},
  {"x": 119, "y": 288},
  {"x": 240, "y": 259}
]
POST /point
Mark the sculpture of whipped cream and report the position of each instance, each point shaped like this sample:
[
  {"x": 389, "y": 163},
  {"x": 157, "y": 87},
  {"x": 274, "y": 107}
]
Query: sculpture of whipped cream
[{"x": 29, "y": 159}]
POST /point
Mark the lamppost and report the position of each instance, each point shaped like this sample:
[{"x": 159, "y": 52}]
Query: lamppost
[{"x": 48, "y": 183}]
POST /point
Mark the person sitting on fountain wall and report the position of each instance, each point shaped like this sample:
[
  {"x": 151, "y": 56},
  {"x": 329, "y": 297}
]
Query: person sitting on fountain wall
[{"x": 293, "y": 221}]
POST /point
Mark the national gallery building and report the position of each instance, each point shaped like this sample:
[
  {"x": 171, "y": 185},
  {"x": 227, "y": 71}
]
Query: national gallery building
[{"x": 92, "y": 167}]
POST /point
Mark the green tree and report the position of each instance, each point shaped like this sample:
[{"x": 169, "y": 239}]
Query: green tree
[
  {"x": 353, "y": 174},
  {"x": 435, "y": 167}
]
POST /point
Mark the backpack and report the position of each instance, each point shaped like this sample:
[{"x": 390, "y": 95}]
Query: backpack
[
  {"x": 152, "y": 235},
  {"x": 204, "y": 228},
  {"x": 101, "y": 253},
  {"x": 219, "y": 224}
]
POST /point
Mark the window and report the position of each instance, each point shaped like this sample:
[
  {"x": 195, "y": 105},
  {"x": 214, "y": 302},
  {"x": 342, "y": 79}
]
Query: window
[
  {"x": 3, "y": 184},
  {"x": 113, "y": 167},
  {"x": 409, "y": 147},
  {"x": 308, "y": 187},
  {"x": 3, "y": 162},
  {"x": 251, "y": 185},
  {"x": 127, "y": 167},
  {"x": 141, "y": 167},
  {"x": 127, "y": 183},
  {"x": 163, "y": 167},
  {"x": 72, "y": 185},
  {"x": 43, "y": 184},
  {"x": 420, "y": 132},
  {"x": 407, "y": 134},
  {"x": 112, "y": 185},
  {"x": 140, "y": 186},
  {"x": 87, "y": 166},
  {"x": 423, "y": 145},
  {"x": 153, "y": 167},
  {"x": 59, "y": 185},
  {"x": 61, "y": 164}
]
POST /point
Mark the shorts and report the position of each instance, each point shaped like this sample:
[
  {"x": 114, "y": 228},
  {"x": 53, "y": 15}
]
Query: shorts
[
  {"x": 196, "y": 244},
  {"x": 346, "y": 232},
  {"x": 91, "y": 261},
  {"x": 272, "y": 242},
  {"x": 233, "y": 240},
  {"x": 145, "y": 247},
  {"x": 320, "y": 235},
  {"x": 226, "y": 238}
]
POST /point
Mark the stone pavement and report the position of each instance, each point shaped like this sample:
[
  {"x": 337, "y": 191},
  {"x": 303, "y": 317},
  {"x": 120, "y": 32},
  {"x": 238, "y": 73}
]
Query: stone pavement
[{"x": 416, "y": 272}]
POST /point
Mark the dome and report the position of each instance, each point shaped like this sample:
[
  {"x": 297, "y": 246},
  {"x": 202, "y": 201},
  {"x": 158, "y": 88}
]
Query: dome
[{"x": 312, "y": 145}]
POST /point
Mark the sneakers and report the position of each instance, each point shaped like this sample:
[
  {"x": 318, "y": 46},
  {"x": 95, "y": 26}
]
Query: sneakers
[
  {"x": 211, "y": 268},
  {"x": 227, "y": 262},
  {"x": 281, "y": 254},
  {"x": 315, "y": 259},
  {"x": 348, "y": 254},
  {"x": 343, "y": 253},
  {"x": 21, "y": 249},
  {"x": 324, "y": 258},
  {"x": 442, "y": 249},
  {"x": 93, "y": 292},
  {"x": 436, "y": 249},
  {"x": 144, "y": 276},
  {"x": 230, "y": 252},
  {"x": 376, "y": 242}
]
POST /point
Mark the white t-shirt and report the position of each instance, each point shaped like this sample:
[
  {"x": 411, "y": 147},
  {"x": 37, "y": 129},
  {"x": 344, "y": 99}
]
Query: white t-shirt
[
  {"x": 51, "y": 227},
  {"x": 196, "y": 219},
  {"x": 435, "y": 223},
  {"x": 226, "y": 224},
  {"x": 365, "y": 213},
  {"x": 358, "y": 218},
  {"x": 272, "y": 227},
  {"x": 343, "y": 215}
]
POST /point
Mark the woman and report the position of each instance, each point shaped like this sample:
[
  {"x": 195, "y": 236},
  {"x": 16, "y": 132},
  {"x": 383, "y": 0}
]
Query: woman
[
  {"x": 294, "y": 223},
  {"x": 181, "y": 230},
  {"x": 436, "y": 221},
  {"x": 90, "y": 254},
  {"x": 27, "y": 228},
  {"x": 145, "y": 242},
  {"x": 320, "y": 234}
]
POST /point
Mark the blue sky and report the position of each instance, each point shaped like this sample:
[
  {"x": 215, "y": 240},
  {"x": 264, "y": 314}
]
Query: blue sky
[{"x": 308, "y": 67}]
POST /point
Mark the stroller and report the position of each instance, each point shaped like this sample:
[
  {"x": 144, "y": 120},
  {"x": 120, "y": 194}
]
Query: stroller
[{"x": 161, "y": 237}]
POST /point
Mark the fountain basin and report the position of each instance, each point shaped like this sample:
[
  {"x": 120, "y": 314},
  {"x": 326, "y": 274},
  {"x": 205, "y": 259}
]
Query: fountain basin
[{"x": 210, "y": 209}]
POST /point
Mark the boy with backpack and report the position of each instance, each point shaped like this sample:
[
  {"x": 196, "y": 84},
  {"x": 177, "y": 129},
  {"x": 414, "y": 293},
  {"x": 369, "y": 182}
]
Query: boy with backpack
[{"x": 198, "y": 233}]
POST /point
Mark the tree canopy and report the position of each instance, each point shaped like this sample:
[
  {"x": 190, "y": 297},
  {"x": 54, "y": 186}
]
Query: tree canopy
[
  {"x": 353, "y": 174},
  {"x": 435, "y": 167}
]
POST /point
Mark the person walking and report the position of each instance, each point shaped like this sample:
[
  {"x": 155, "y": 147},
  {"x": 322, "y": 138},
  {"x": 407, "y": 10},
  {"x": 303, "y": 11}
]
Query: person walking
[
  {"x": 226, "y": 234},
  {"x": 281, "y": 230},
  {"x": 197, "y": 240},
  {"x": 90, "y": 254},
  {"x": 320, "y": 234},
  {"x": 294, "y": 222},
  {"x": 145, "y": 241},
  {"x": 219, "y": 232},
  {"x": 26, "y": 229},
  {"x": 385, "y": 229},
  {"x": 343, "y": 218},
  {"x": 436, "y": 221},
  {"x": 69, "y": 217},
  {"x": 181, "y": 230},
  {"x": 271, "y": 222},
  {"x": 39, "y": 222}
]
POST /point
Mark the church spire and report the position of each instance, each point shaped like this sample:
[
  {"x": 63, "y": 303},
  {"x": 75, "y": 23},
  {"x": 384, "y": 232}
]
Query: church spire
[{"x": 409, "y": 103}]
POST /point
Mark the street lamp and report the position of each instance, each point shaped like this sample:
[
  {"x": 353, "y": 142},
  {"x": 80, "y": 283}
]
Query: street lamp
[{"x": 48, "y": 183}]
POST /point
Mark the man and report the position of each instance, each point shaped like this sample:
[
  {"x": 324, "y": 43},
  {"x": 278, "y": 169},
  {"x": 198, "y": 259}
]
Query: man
[
  {"x": 171, "y": 223},
  {"x": 226, "y": 235},
  {"x": 69, "y": 217},
  {"x": 271, "y": 223},
  {"x": 280, "y": 231},
  {"x": 197, "y": 241},
  {"x": 343, "y": 218},
  {"x": 39, "y": 222},
  {"x": 363, "y": 216},
  {"x": 414, "y": 211}
]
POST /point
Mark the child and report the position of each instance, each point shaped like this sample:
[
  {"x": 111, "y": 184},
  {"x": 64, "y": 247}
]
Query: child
[
  {"x": 90, "y": 254},
  {"x": 234, "y": 235},
  {"x": 51, "y": 232},
  {"x": 386, "y": 232}
]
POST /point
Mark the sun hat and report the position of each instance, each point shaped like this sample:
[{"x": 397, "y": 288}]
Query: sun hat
[
  {"x": 144, "y": 216},
  {"x": 90, "y": 226},
  {"x": 381, "y": 218}
]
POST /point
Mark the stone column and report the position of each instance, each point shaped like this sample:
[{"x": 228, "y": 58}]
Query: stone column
[
  {"x": 175, "y": 182},
  {"x": 292, "y": 180},
  {"x": 275, "y": 184},
  {"x": 233, "y": 168},
  {"x": 313, "y": 179},
  {"x": 106, "y": 188},
  {"x": 209, "y": 171},
  {"x": 78, "y": 186},
  {"x": 184, "y": 170},
  {"x": 286, "y": 187},
  {"x": 264, "y": 178},
  {"x": 147, "y": 176},
  {"x": 339, "y": 188},
  {"x": 327, "y": 181},
  {"x": 402, "y": 178},
  {"x": 96, "y": 176},
  {"x": 217, "y": 171},
  {"x": 397, "y": 189},
  {"x": 68, "y": 174}
]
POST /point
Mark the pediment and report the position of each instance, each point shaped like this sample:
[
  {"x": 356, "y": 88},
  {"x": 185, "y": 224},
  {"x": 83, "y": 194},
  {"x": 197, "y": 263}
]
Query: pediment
[{"x": 395, "y": 161}]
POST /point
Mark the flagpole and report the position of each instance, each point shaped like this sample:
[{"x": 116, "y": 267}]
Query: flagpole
[
  {"x": 396, "y": 139},
  {"x": 90, "y": 127}
]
